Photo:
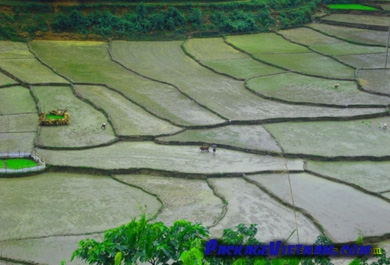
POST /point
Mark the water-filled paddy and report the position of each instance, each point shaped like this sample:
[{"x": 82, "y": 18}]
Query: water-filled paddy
[{"x": 244, "y": 181}]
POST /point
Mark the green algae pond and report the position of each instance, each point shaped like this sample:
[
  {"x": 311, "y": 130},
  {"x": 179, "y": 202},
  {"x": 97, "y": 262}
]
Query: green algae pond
[
  {"x": 17, "y": 163},
  {"x": 351, "y": 7},
  {"x": 54, "y": 117}
]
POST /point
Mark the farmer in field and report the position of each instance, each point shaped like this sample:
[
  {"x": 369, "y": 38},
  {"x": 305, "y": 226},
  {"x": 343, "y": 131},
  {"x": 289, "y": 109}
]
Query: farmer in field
[
  {"x": 103, "y": 127},
  {"x": 214, "y": 148}
]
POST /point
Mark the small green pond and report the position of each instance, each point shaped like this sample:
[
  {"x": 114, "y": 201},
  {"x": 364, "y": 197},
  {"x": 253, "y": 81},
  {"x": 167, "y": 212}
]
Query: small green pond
[
  {"x": 53, "y": 117},
  {"x": 351, "y": 7},
  {"x": 17, "y": 163}
]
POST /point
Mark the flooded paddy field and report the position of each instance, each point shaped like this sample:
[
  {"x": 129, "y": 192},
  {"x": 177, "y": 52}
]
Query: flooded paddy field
[{"x": 284, "y": 132}]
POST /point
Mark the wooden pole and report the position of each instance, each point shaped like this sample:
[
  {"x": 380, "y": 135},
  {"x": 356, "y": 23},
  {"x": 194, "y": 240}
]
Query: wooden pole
[{"x": 387, "y": 46}]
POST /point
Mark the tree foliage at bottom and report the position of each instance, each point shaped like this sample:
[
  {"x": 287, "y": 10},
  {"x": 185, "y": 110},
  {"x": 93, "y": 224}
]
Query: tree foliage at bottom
[{"x": 184, "y": 243}]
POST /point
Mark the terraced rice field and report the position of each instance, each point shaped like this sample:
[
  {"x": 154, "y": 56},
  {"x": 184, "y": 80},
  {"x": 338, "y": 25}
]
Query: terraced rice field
[
  {"x": 16, "y": 100},
  {"x": 5, "y": 80},
  {"x": 365, "y": 61},
  {"x": 362, "y": 36},
  {"x": 371, "y": 176},
  {"x": 46, "y": 203},
  {"x": 30, "y": 71},
  {"x": 326, "y": 44},
  {"x": 297, "y": 88},
  {"x": 196, "y": 197},
  {"x": 19, "y": 123},
  {"x": 89, "y": 62},
  {"x": 240, "y": 136},
  {"x": 216, "y": 54},
  {"x": 128, "y": 118},
  {"x": 329, "y": 139},
  {"x": 268, "y": 101},
  {"x": 381, "y": 22},
  {"x": 345, "y": 209},
  {"x": 225, "y": 96},
  {"x": 15, "y": 142},
  {"x": 282, "y": 53},
  {"x": 85, "y": 121},
  {"x": 375, "y": 80}
]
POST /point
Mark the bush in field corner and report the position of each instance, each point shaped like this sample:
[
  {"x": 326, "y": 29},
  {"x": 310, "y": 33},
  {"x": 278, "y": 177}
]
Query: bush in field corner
[{"x": 185, "y": 243}]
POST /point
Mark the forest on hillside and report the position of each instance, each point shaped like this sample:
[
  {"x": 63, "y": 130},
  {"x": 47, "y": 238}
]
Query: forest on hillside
[{"x": 21, "y": 21}]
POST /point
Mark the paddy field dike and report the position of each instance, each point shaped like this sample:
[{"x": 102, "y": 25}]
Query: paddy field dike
[{"x": 298, "y": 110}]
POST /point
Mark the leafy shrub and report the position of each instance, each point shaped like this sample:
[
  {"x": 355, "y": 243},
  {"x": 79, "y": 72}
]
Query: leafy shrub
[
  {"x": 184, "y": 243},
  {"x": 238, "y": 21},
  {"x": 294, "y": 18}
]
